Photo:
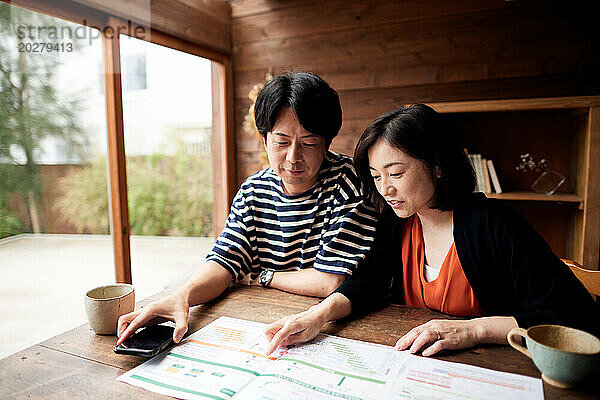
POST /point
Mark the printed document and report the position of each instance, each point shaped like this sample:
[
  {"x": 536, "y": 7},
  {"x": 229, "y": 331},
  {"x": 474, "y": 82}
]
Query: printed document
[
  {"x": 226, "y": 360},
  {"x": 428, "y": 378}
]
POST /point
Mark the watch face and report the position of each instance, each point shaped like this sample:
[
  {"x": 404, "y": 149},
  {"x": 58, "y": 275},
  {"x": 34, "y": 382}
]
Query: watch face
[{"x": 265, "y": 277}]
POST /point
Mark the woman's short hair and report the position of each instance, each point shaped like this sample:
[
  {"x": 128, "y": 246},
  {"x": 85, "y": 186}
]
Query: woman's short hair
[
  {"x": 315, "y": 103},
  {"x": 418, "y": 131}
]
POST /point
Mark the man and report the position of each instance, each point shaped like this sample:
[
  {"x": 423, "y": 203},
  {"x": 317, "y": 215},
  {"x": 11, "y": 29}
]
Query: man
[{"x": 298, "y": 226}]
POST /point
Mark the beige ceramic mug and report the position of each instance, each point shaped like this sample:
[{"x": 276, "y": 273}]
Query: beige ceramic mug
[
  {"x": 105, "y": 304},
  {"x": 564, "y": 356}
]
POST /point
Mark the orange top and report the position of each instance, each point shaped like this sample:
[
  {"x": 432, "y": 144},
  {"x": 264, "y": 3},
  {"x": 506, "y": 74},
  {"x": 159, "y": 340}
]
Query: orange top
[{"x": 450, "y": 293}]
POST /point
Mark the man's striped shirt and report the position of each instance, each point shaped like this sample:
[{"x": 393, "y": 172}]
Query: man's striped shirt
[{"x": 328, "y": 227}]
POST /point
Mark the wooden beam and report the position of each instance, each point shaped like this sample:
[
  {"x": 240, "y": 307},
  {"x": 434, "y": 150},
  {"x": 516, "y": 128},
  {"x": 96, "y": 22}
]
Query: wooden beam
[
  {"x": 222, "y": 143},
  {"x": 207, "y": 24},
  {"x": 179, "y": 44},
  {"x": 203, "y": 22},
  {"x": 76, "y": 13},
  {"x": 116, "y": 154},
  {"x": 229, "y": 134}
]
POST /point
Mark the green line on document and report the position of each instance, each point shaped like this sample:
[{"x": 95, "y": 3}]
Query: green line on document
[
  {"x": 180, "y": 389},
  {"x": 333, "y": 371},
  {"x": 341, "y": 381},
  {"x": 214, "y": 363},
  {"x": 315, "y": 388}
]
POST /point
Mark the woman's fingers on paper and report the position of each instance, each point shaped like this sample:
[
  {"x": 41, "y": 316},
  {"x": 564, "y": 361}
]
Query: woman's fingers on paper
[
  {"x": 408, "y": 338},
  {"x": 426, "y": 337},
  {"x": 281, "y": 338},
  {"x": 436, "y": 347}
]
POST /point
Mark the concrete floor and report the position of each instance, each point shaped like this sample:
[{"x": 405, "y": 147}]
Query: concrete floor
[{"x": 43, "y": 278}]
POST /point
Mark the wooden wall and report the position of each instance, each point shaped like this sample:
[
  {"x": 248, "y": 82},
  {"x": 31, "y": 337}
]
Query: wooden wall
[{"x": 380, "y": 54}]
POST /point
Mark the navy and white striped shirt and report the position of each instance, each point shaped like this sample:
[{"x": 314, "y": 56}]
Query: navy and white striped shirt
[{"x": 328, "y": 227}]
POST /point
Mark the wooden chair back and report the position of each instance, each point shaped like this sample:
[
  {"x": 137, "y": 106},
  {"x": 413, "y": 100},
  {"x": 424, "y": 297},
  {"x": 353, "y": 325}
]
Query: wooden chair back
[{"x": 589, "y": 277}]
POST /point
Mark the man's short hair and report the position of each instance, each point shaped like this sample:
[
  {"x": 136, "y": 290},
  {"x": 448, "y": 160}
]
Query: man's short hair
[
  {"x": 420, "y": 132},
  {"x": 315, "y": 103}
]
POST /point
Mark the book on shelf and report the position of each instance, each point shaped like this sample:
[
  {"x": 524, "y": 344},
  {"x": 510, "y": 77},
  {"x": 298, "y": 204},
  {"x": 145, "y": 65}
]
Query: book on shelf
[
  {"x": 476, "y": 163},
  {"x": 485, "y": 174},
  {"x": 494, "y": 176}
]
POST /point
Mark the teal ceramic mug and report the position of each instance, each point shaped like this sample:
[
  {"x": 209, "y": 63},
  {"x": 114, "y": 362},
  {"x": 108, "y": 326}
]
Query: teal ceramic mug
[{"x": 564, "y": 356}]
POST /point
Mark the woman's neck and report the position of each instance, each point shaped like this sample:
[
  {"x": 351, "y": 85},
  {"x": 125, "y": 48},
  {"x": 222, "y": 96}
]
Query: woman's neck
[
  {"x": 438, "y": 237},
  {"x": 434, "y": 219}
]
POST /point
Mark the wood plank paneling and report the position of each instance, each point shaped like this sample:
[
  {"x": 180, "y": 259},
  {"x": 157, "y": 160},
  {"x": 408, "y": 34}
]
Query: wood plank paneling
[
  {"x": 382, "y": 54},
  {"x": 365, "y": 105},
  {"x": 394, "y": 55},
  {"x": 368, "y": 103},
  {"x": 242, "y": 8},
  {"x": 503, "y": 34},
  {"x": 305, "y": 18},
  {"x": 380, "y": 72},
  {"x": 372, "y": 102},
  {"x": 218, "y": 9}
]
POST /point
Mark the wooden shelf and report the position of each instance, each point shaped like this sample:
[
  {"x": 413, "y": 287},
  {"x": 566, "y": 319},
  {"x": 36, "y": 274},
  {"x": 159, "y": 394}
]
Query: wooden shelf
[
  {"x": 517, "y": 104},
  {"x": 565, "y": 130},
  {"x": 533, "y": 196}
]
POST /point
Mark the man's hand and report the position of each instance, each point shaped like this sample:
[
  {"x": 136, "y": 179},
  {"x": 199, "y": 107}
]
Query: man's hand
[
  {"x": 174, "y": 307},
  {"x": 207, "y": 282}
]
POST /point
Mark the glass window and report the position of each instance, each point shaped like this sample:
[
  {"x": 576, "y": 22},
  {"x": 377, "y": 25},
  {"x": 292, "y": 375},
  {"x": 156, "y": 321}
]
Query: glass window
[
  {"x": 168, "y": 128},
  {"x": 134, "y": 70}
]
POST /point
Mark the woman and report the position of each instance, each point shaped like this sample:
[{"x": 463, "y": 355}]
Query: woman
[{"x": 441, "y": 246}]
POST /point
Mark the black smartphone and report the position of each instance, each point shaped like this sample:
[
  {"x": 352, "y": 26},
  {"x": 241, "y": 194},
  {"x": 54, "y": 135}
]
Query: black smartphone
[{"x": 147, "y": 342}]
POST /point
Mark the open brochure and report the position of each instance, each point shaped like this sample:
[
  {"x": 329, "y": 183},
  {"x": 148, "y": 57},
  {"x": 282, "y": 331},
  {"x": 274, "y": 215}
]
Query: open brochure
[{"x": 226, "y": 359}]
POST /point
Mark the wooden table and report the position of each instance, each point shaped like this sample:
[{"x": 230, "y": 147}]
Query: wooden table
[{"x": 79, "y": 364}]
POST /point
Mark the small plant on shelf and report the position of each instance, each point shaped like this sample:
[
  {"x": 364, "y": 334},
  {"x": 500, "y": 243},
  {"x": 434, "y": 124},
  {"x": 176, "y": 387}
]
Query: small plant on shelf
[{"x": 548, "y": 180}]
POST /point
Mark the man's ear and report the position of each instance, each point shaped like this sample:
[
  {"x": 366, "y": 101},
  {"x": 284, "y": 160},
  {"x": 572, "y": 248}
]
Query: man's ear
[{"x": 437, "y": 173}]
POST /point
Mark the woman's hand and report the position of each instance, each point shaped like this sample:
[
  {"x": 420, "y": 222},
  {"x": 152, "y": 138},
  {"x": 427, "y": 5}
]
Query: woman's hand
[
  {"x": 174, "y": 307},
  {"x": 445, "y": 334},
  {"x": 297, "y": 328},
  {"x": 439, "y": 334}
]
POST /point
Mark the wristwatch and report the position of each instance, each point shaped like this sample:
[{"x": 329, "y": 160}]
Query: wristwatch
[{"x": 266, "y": 277}]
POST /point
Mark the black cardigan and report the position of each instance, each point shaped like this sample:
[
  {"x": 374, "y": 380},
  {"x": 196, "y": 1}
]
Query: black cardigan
[{"x": 512, "y": 270}]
